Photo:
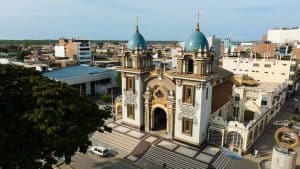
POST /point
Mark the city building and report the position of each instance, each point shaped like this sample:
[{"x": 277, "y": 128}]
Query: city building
[
  {"x": 89, "y": 80},
  {"x": 75, "y": 49},
  {"x": 273, "y": 69},
  {"x": 284, "y": 35},
  {"x": 215, "y": 45},
  {"x": 174, "y": 103},
  {"x": 251, "y": 109}
]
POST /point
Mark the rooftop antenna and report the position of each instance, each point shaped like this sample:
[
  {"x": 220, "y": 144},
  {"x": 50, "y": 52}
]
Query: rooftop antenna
[
  {"x": 137, "y": 23},
  {"x": 198, "y": 24}
]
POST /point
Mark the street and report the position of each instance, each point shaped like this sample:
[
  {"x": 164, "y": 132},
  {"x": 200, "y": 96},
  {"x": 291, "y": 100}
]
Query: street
[{"x": 92, "y": 161}]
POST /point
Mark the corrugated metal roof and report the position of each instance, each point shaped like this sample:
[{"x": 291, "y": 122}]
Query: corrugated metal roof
[{"x": 74, "y": 71}]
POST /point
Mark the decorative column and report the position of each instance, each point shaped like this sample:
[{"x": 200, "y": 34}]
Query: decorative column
[
  {"x": 179, "y": 65},
  {"x": 171, "y": 112},
  {"x": 147, "y": 104}
]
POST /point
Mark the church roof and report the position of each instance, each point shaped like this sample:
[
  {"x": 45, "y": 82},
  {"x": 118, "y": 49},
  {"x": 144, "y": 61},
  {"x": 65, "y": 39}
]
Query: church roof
[
  {"x": 137, "y": 41},
  {"x": 196, "y": 41}
]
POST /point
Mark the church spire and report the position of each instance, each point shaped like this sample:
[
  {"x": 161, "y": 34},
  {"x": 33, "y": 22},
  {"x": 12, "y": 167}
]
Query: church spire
[
  {"x": 137, "y": 23},
  {"x": 198, "y": 24}
]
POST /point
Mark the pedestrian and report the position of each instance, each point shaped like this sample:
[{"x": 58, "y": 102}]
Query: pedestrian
[{"x": 255, "y": 152}]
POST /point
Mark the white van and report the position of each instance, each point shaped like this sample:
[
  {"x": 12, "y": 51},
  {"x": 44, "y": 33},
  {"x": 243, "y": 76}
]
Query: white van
[{"x": 99, "y": 150}]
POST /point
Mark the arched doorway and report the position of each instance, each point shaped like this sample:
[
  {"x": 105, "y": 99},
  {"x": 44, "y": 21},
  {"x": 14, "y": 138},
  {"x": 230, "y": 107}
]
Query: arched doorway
[
  {"x": 234, "y": 141},
  {"x": 159, "y": 119}
]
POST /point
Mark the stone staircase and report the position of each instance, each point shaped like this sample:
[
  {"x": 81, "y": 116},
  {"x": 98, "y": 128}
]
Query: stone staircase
[
  {"x": 173, "y": 160},
  {"x": 116, "y": 139},
  {"x": 140, "y": 149},
  {"x": 221, "y": 161}
]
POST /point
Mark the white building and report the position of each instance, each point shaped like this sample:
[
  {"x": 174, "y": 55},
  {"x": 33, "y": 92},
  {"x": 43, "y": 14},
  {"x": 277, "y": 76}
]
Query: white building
[
  {"x": 60, "y": 51},
  {"x": 215, "y": 45},
  {"x": 284, "y": 35},
  {"x": 252, "y": 109},
  {"x": 176, "y": 104},
  {"x": 89, "y": 80},
  {"x": 275, "y": 70}
]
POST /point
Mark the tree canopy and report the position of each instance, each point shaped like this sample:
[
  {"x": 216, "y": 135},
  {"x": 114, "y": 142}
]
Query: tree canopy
[{"x": 41, "y": 119}]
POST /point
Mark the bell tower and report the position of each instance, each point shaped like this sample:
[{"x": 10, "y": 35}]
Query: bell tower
[
  {"x": 193, "y": 89},
  {"x": 136, "y": 65}
]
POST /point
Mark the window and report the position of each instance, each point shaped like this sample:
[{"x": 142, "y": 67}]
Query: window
[
  {"x": 220, "y": 113},
  {"x": 130, "y": 83},
  {"x": 284, "y": 64},
  {"x": 237, "y": 98},
  {"x": 103, "y": 81},
  {"x": 235, "y": 112},
  {"x": 266, "y": 72},
  {"x": 267, "y": 65},
  {"x": 187, "y": 126},
  {"x": 206, "y": 93},
  {"x": 190, "y": 66},
  {"x": 255, "y": 65},
  {"x": 264, "y": 102},
  {"x": 130, "y": 111},
  {"x": 282, "y": 73},
  {"x": 188, "y": 94}
]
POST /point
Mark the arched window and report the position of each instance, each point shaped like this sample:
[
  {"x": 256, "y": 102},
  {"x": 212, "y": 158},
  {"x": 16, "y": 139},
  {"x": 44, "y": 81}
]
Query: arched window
[
  {"x": 234, "y": 138},
  {"x": 208, "y": 68},
  {"x": 190, "y": 66},
  {"x": 129, "y": 62}
]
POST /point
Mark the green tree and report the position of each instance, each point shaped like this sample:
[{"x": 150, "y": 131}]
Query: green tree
[
  {"x": 20, "y": 55},
  {"x": 41, "y": 118},
  {"x": 105, "y": 98}
]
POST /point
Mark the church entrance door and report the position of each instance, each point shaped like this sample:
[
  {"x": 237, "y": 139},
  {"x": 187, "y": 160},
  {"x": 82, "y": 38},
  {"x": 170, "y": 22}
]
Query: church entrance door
[{"x": 160, "y": 120}]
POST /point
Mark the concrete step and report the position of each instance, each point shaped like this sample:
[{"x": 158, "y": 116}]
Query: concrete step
[
  {"x": 120, "y": 141},
  {"x": 172, "y": 159},
  {"x": 221, "y": 161}
]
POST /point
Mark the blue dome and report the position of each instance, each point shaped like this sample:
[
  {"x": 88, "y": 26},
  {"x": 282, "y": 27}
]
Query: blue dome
[
  {"x": 137, "y": 40},
  {"x": 196, "y": 41}
]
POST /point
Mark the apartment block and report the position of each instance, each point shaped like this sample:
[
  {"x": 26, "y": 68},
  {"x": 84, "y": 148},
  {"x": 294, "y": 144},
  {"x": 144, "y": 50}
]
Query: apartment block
[{"x": 75, "y": 49}]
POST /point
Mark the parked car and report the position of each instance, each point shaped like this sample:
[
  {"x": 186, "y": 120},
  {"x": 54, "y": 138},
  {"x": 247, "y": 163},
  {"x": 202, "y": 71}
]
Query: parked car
[
  {"x": 284, "y": 123},
  {"x": 99, "y": 150}
]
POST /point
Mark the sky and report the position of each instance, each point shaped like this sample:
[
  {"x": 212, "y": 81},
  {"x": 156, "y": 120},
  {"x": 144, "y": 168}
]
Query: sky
[{"x": 159, "y": 19}]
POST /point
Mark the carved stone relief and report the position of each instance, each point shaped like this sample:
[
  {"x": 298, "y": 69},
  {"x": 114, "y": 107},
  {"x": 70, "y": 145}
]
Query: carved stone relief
[
  {"x": 188, "y": 111},
  {"x": 130, "y": 98}
]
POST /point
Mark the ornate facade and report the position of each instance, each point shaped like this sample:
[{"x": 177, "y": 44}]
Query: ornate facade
[{"x": 176, "y": 104}]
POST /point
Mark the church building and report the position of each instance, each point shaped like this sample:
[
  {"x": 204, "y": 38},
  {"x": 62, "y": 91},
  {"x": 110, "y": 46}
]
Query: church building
[{"x": 176, "y": 104}]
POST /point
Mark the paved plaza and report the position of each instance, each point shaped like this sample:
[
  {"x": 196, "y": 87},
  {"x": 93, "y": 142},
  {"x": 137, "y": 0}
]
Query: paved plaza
[
  {"x": 150, "y": 151},
  {"x": 141, "y": 150}
]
